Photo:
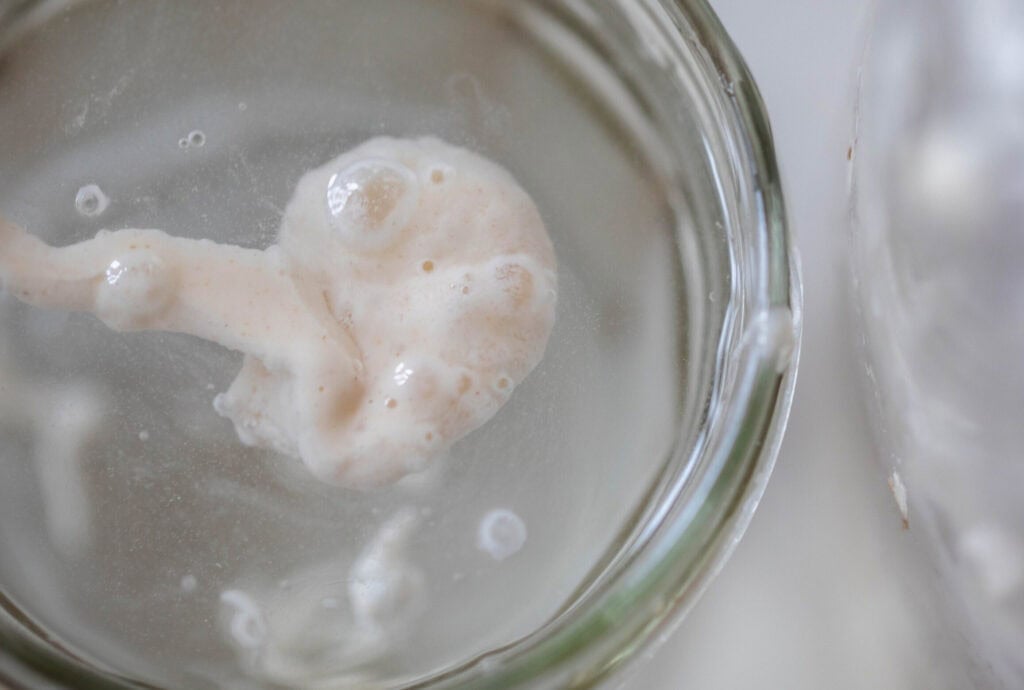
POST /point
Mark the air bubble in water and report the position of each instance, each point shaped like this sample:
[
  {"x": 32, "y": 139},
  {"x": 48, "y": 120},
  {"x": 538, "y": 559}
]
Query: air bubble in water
[
  {"x": 91, "y": 201},
  {"x": 501, "y": 534},
  {"x": 371, "y": 201}
]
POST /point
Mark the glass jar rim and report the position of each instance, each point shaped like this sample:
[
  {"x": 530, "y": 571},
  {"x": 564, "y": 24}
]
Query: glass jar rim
[{"x": 643, "y": 601}]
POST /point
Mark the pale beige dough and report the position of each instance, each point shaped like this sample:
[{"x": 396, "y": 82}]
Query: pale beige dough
[{"x": 412, "y": 287}]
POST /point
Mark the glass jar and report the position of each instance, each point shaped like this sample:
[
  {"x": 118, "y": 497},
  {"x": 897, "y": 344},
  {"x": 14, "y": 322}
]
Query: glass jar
[
  {"x": 655, "y": 417},
  {"x": 935, "y": 201}
]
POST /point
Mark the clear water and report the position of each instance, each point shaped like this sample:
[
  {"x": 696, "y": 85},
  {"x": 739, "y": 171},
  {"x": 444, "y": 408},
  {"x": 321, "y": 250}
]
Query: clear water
[{"x": 133, "y": 525}]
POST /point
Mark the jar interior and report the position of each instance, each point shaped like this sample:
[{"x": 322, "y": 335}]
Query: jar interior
[{"x": 137, "y": 534}]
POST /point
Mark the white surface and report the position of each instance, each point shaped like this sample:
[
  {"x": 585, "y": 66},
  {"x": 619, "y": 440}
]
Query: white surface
[{"x": 826, "y": 589}]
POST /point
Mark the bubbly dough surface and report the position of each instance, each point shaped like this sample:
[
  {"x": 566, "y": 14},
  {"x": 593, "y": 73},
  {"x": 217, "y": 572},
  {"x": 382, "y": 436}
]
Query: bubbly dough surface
[{"x": 412, "y": 287}]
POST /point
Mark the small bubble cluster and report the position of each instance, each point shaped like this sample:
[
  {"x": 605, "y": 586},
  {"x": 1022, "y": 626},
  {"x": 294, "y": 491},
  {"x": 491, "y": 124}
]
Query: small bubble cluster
[{"x": 194, "y": 139}]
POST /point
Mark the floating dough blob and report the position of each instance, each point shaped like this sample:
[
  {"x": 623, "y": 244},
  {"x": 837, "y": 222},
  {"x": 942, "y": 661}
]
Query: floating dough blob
[{"x": 411, "y": 288}]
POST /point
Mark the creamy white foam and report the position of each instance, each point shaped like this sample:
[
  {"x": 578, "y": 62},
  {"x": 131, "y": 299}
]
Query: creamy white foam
[{"x": 411, "y": 289}]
